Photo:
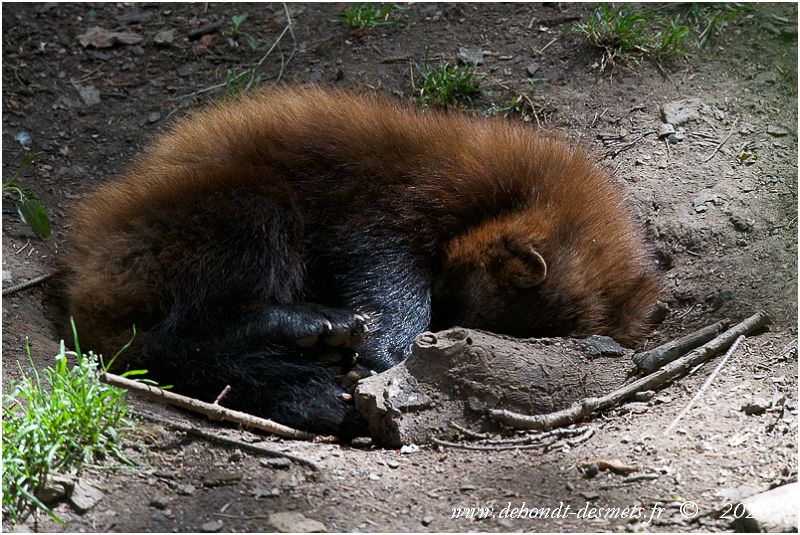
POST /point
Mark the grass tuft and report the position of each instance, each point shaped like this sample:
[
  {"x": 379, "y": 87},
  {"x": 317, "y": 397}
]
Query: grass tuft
[
  {"x": 57, "y": 420},
  {"x": 444, "y": 85},
  {"x": 367, "y": 15},
  {"x": 626, "y": 35}
]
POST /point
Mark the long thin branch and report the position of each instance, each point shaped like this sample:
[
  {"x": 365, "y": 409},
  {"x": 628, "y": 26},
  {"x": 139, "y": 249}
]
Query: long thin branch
[
  {"x": 214, "y": 412},
  {"x": 226, "y": 441},
  {"x": 721, "y": 143},
  {"x": 28, "y": 284},
  {"x": 674, "y": 369}
]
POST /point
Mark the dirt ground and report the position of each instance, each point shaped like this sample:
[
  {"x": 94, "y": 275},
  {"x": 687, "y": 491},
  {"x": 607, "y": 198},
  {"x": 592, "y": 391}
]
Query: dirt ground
[{"x": 724, "y": 226}]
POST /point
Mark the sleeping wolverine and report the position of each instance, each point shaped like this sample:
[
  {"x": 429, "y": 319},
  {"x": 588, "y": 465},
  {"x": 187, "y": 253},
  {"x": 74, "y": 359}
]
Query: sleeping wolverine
[{"x": 290, "y": 242}]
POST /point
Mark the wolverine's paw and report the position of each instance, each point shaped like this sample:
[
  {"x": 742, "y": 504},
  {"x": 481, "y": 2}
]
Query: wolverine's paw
[{"x": 317, "y": 328}]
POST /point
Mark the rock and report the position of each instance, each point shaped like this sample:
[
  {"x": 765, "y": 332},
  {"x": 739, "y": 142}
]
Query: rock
[
  {"x": 186, "y": 490},
  {"x": 158, "y": 516},
  {"x": 777, "y": 131},
  {"x": 719, "y": 114},
  {"x": 427, "y": 520},
  {"x": 590, "y": 495},
  {"x": 90, "y": 95},
  {"x": 699, "y": 202},
  {"x": 756, "y": 406},
  {"x": 153, "y": 117},
  {"x": 7, "y": 276},
  {"x": 216, "y": 477},
  {"x": 679, "y": 112},
  {"x": 159, "y": 502},
  {"x": 291, "y": 522},
  {"x": 746, "y": 129},
  {"x": 772, "y": 511},
  {"x": 741, "y": 224},
  {"x": 634, "y": 406},
  {"x": 164, "y": 37},
  {"x": 472, "y": 56},
  {"x": 591, "y": 471},
  {"x": 56, "y": 488},
  {"x": 23, "y": 138},
  {"x": 767, "y": 77},
  {"x": 532, "y": 69},
  {"x": 211, "y": 527},
  {"x": 644, "y": 395},
  {"x": 187, "y": 69},
  {"x": 101, "y": 38},
  {"x": 665, "y": 129},
  {"x": 277, "y": 462},
  {"x": 391, "y": 463},
  {"x": 662, "y": 399},
  {"x": 409, "y": 448},
  {"x": 602, "y": 345},
  {"x": 84, "y": 496}
]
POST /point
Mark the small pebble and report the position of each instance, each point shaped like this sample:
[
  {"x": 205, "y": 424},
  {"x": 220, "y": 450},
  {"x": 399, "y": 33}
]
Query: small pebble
[
  {"x": 159, "y": 502},
  {"x": 186, "y": 490},
  {"x": 644, "y": 395},
  {"x": 777, "y": 131},
  {"x": 591, "y": 471},
  {"x": 427, "y": 520},
  {"x": 278, "y": 462},
  {"x": 756, "y": 406},
  {"x": 212, "y": 526},
  {"x": 391, "y": 463}
]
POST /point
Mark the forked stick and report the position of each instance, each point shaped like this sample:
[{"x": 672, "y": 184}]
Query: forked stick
[
  {"x": 213, "y": 411},
  {"x": 585, "y": 407}
]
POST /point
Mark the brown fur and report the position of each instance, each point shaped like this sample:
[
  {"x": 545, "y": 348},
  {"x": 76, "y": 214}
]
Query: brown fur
[{"x": 470, "y": 199}]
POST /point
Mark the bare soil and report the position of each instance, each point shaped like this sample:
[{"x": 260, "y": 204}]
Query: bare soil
[{"x": 724, "y": 228}]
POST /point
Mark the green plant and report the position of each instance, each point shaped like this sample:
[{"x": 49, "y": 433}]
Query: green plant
[
  {"x": 625, "y": 35},
  {"x": 233, "y": 31},
  {"x": 56, "y": 421},
  {"x": 238, "y": 81},
  {"x": 30, "y": 209},
  {"x": 446, "y": 85},
  {"x": 367, "y": 15},
  {"x": 709, "y": 18}
]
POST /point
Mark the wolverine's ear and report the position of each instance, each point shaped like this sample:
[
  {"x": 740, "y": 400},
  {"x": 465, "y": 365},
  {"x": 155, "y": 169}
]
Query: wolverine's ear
[{"x": 524, "y": 267}]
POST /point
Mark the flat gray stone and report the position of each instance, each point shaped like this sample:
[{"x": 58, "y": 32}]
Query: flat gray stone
[
  {"x": 84, "y": 496},
  {"x": 292, "y": 522},
  {"x": 680, "y": 112}
]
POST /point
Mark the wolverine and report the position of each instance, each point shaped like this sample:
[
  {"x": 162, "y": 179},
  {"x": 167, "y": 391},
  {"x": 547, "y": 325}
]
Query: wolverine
[{"x": 293, "y": 241}]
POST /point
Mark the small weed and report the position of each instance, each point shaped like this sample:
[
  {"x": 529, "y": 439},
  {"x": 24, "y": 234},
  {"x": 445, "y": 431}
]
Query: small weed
[
  {"x": 233, "y": 31},
  {"x": 444, "y": 85},
  {"x": 709, "y": 18},
  {"x": 625, "y": 35},
  {"x": 30, "y": 209},
  {"x": 367, "y": 15},
  {"x": 238, "y": 81},
  {"x": 56, "y": 421},
  {"x": 513, "y": 106}
]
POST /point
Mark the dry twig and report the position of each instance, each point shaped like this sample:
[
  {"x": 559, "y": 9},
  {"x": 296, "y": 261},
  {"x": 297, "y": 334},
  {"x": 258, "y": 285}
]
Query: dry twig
[
  {"x": 29, "y": 284},
  {"x": 721, "y": 143},
  {"x": 214, "y": 412}
]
